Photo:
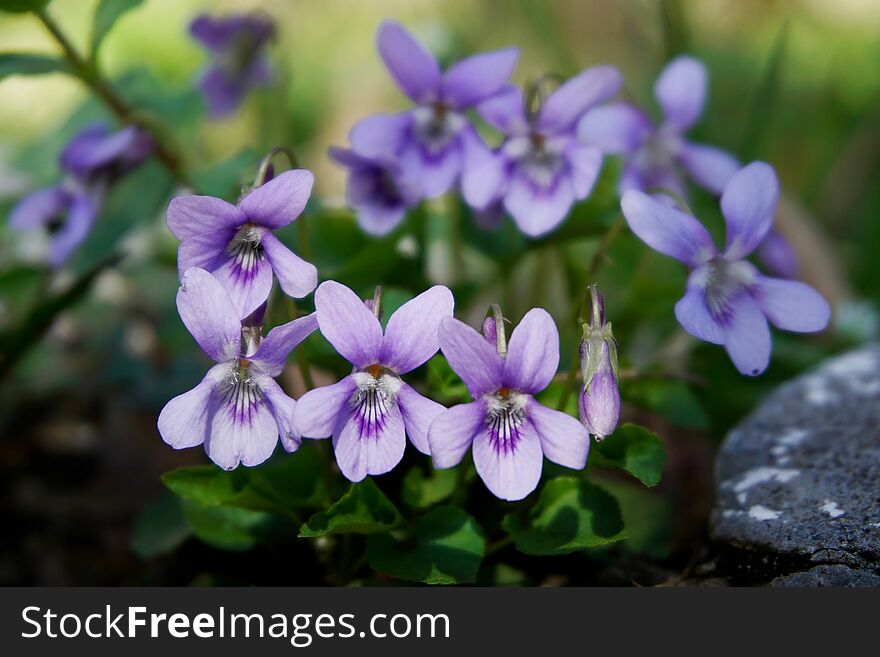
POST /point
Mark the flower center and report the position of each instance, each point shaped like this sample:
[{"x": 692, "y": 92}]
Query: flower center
[
  {"x": 239, "y": 393},
  {"x": 504, "y": 419},
  {"x": 436, "y": 126},
  {"x": 376, "y": 393},
  {"x": 725, "y": 281},
  {"x": 538, "y": 159},
  {"x": 246, "y": 248}
]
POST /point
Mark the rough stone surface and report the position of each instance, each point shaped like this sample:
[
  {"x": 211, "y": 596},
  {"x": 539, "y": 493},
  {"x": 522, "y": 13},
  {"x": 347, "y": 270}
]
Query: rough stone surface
[{"x": 798, "y": 482}]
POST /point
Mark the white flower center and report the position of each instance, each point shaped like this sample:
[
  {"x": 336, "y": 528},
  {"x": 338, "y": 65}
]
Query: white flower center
[
  {"x": 504, "y": 418},
  {"x": 375, "y": 394},
  {"x": 246, "y": 247},
  {"x": 436, "y": 126}
]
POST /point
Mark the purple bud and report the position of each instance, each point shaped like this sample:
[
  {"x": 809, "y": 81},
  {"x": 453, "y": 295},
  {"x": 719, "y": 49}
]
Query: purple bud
[
  {"x": 370, "y": 304},
  {"x": 490, "y": 330},
  {"x": 599, "y": 403}
]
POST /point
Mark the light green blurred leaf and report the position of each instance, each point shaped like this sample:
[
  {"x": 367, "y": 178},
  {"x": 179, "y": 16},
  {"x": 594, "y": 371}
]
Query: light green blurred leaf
[
  {"x": 21, "y": 6},
  {"x": 20, "y": 63},
  {"x": 106, "y": 14},
  {"x": 229, "y": 528},
  {"x": 421, "y": 491},
  {"x": 648, "y": 518},
  {"x": 206, "y": 485},
  {"x": 633, "y": 449},
  {"x": 673, "y": 400},
  {"x": 364, "y": 509}
]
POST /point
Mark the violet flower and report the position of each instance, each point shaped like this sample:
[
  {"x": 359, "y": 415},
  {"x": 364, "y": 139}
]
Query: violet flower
[
  {"x": 541, "y": 169},
  {"x": 656, "y": 156},
  {"x": 430, "y": 140},
  {"x": 369, "y": 412},
  {"x": 57, "y": 219},
  {"x": 379, "y": 190},
  {"x": 237, "y": 44},
  {"x": 509, "y": 430},
  {"x": 728, "y": 301},
  {"x": 599, "y": 401},
  {"x": 777, "y": 255},
  {"x": 238, "y": 411},
  {"x": 236, "y": 243}
]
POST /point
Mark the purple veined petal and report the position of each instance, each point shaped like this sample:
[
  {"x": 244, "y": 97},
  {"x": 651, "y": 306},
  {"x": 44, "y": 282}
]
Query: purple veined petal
[
  {"x": 748, "y": 205},
  {"x": 681, "y": 91},
  {"x": 185, "y": 420},
  {"x": 348, "y": 324},
  {"x": 281, "y": 340},
  {"x": 510, "y": 469},
  {"x": 209, "y": 315},
  {"x": 532, "y": 353},
  {"x": 436, "y": 171},
  {"x": 791, "y": 305},
  {"x": 297, "y": 277},
  {"x": 711, "y": 167},
  {"x": 415, "y": 70},
  {"x": 282, "y": 408},
  {"x": 37, "y": 208},
  {"x": 538, "y": 210},
  {"x": 693, "y": 314},
  {"x": 243, "y": 429},
  {"x": 196, "y": 215},
  {"x": 452, "y": 432},
  {"x": 206, "y": 251},
  {"x": 505, "y": 111},
  {"x": 474, "y": 360},
  {"x": 564, "y": 440},
  {"x": 418, "y": 413},
  {"x": 777, "y": 254},
  {"x": 599, "y": 407},
  {"x": 616, "y": 128},
  {"x": 248, "y": 285},
  {"x": 568, "y": 103},
  {"x": 748, "y": 340},
  {"x": 380, "y": 135},
  {"x": 476, "y": 78},
  {"x": 667, "y": 230},
  {"x": 80, "y": 219},
  {"x": 364, "y": 448},
  {"x": 222, "y": 92},
  {"x": 411, "y": 334},
  {"x": 482, "y": 173},
  {"x": 584, "y": 162},
  {"x": 279, "y": 201},
  {"x": 320, "y": 411}
]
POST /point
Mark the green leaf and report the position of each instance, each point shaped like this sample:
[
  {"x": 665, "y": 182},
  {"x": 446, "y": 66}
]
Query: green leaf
[
  {"x": 444, "y": 547},
  {"x": 633, "y": 449},
  {"x": 229, "y": 528},
  {"x": 364, "y": 509},
  {"x": 160, "y": 528},
  {"x": 205, "y": 485},
  {"x": 647, "y": 515},
  {"x": 673, "y": 400},
  {"x": 21, "y": 6},
  {"x": 421, "y": 491},
  {"x": 20, "y": 63},
  {"x": 106, "y": 14},
  {"x": 571, "y": 514}
]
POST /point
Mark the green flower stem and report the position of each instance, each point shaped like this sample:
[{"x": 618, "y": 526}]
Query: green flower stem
[{"x": 86, "y": 71}]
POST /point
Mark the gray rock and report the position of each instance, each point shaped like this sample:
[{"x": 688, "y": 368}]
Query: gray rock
[
  {"x": 798, "y": 481},
  {"x": 828, "y": 575}
]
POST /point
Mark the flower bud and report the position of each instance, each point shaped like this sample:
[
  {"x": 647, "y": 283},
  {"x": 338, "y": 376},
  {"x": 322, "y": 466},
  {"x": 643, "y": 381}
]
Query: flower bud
[{"x": 599, "y": 402}]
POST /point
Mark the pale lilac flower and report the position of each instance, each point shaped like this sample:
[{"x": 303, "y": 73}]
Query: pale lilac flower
[
  {"x": 379, "y": 190},
  {"x": 370, "y": 412},
  {"x": 541, "y": 169},
  {"x": 657, "y": 156},
  {"x": 429, "y": 140},
  {"x": 599, "y": 401},
  {"x": 509, "y": 430},
  {"x": 238, "y": 411},
  {"x": 236, "y": 243},
  {"x": 728, "y": 301},
  {"x": 237, "y": 44},
  {"x": 777, "y": 255}
]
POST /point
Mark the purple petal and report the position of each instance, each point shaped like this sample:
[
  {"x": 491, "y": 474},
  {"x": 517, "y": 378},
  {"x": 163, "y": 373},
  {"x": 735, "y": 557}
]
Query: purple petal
[
  {"x": 319, "y": 411},
  {"x": 437, "y": 171},
  {"x": 206, "y": 251},
  {"x": 297, "y": 277},
  {"x": 538, "y": 210},
  {"x": 616, "y": 128},
  {"x": 510, "y": 470},
  {"x": 666, "y": 229},
  {"x": 411, "y": 334},
  {"x": 185, "y": 420},
  {"x": 381, "y": 135},
  {"x": 748, "y": 205},
  {"x": 242, "y": 431},
  {"x": 532, "y": 353},
  {"x": 476, "y": 361},
  {"x": 568, "y": 103},
  {"x": 37, "y": 208},
  {"x": 693, "y": 314},
  {"x": 564, "y": 440},
  {"x": 711, "y": 167},
  {"x": 80, "y": 219},
  {"x": 209, "y": 315},
  {"x": 482, "y": 172},
  {"x": 777, "y": 255},
  {"x": 748, "y": 337},
  {"x": 411, "y": 65},
  {"x": 476, "y": 78},
  {"x": 282, "y": 408},
  {"x": 247, "y": 287},
  {"x": 599, "y": 406},
  {"x": 363, "y": 450},
  {"x": 281, "y": 340},
  {"x": 585, "y": 162},
  {"x": 791, "y": 305},
  {"x": 196, "y": 215},
  {"x": 348, "y": 324},
  {"x": 97, "y": 147},
  {"x": 222, "y": 91},
  {"x": 379, "y": 220},
  {"x": 279, "y": 201},
  {"x": 505, "y": 111},
  {"x": 681, "y": 91},
  {"x": 452, "y": 432},
  {"x": 418, "y": 412}
]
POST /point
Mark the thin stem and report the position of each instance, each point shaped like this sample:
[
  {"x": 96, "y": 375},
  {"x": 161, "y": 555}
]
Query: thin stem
[
  {"x": 601, "y": 255},
  {"x": 500, "y": 544},
  {"x": 86, "y": 71}
]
